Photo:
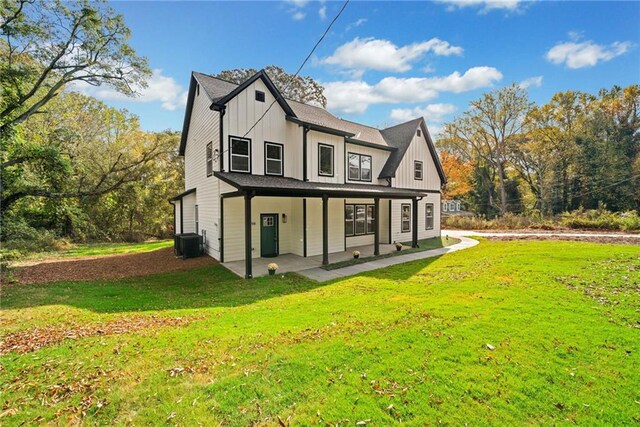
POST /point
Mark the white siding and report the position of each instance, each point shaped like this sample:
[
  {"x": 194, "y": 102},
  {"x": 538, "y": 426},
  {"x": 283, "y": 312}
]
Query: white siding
[
  {"x": 176, "y": 222},
  {"x": 378, "y": 159},
  {"x": 418, "y": 150},
  {"x": 188, "y": 210},
  {"x": 396, "y": 226},
  {"x": 204, "y": 128},
  {"x": 313, "y": 140}
]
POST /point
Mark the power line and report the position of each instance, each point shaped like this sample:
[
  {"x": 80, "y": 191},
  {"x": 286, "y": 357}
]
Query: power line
[{"x": 326, "y": 31}]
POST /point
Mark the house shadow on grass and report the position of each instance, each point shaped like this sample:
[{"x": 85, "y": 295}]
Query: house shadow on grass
[{"x": 206, "y": 287}]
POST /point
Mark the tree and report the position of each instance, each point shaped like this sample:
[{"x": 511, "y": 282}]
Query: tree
[
  {"x": 487, "y": 132},
  {"x": 301, "y": 89},
  {"x": 458, "y": 173},
  {"x": 44, "y": 46}
]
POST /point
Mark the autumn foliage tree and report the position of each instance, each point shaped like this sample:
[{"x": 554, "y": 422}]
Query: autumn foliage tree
[{"x": 458, "y": 173}]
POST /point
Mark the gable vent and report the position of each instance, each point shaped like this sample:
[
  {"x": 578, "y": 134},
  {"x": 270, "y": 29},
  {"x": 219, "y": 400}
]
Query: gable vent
[
  {"x": 259, "y": 96},
  {"x": 419, "y": 133}
]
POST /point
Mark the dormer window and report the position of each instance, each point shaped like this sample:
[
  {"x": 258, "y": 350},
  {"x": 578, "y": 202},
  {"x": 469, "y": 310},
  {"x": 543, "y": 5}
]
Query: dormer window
[
  {"x": 419, "y": 133},
  {"x": 259, "y": 96}
]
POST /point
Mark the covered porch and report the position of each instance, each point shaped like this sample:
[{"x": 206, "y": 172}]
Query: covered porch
[
  {"x": 250, "y": 186},
  {"x": 289, "y": 263}
]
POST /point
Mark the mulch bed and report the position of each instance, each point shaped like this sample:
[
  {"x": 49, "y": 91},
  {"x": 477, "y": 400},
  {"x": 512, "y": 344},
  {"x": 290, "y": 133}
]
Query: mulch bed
[
  {"x": 34, "y": 339},
  {"x": 107, "y": 267},
  {"x": 593, "y": 239}
]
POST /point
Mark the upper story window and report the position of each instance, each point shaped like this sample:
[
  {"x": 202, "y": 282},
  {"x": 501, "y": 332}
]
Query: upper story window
[
  {"x": 419, "y": 133},
  {"x": 428, "y": 216},
  {"x": 210, "y": 159},
  {"x": 259, "y": 96},
  {"x": 273, "y": 159},
  {"x": 240, "y": 155},
  {"x": 359, "y": 167},
  {"x": 325, "y": 160},
  {"x": 405, "y": 218},
  {"x": 417, "y": 170}
]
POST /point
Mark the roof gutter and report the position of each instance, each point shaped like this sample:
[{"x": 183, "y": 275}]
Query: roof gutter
[{"x": 319, "y": 128}]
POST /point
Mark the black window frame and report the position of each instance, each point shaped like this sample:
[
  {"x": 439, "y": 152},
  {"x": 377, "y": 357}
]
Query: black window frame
[
  {"x": 402, "y": 220},
  {"x": 415, "y": 170},
  {"x": 209, "y": 157},
  {"x": 427, "y": 217},
  {"x": 360, "y": 157},
  {"x": 333, "y": 159},
  {"x": 260, "y": 96},
  {"x": 367, "y": 219},
  {"x": 248, "y": 140},
  {"x": 277, "y": 144},
  {"x": 419, "y": 133}
]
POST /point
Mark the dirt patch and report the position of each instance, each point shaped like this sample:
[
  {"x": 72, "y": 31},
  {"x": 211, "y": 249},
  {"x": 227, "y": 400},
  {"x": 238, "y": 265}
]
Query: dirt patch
[
  {"x": 34, "y": 339},
  {"x": 593, "y": 239},
  {"x": 107, "y": 267}
]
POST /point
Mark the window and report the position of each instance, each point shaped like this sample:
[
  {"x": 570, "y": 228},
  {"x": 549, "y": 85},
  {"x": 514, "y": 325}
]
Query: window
[
  {"x": 405, "y": 218},
  {"x": 240, "y": 155},
  {"x": 273, "y": 159},
  {"x": 210, "y": 159},
  {"x": 458, "y": 206},
  {"x": 259, "y": 96},
  {"x": 419, "y": 133},
  {"x": 359, "y": 220},
  {"x": 325, "y": 160},
  {"x": 348, "y": 220},
  {"x": 444, "y": 206},
  {"x": 359, "y": 167},
  {"x": 196, "y": 217},
  {"x": 417, "y": 170},
  {"x": 452, "y": 207},
  {"x": 428, "y": 216}
]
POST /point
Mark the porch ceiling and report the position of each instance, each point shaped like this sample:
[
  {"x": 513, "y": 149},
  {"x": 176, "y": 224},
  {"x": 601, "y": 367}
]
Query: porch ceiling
[{"x": 262, "y": 185}]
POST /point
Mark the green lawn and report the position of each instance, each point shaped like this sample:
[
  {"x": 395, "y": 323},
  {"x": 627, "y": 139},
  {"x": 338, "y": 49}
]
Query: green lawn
[
  {"x": 406, "y": 343},
  {"x": 101, "y": 249}
]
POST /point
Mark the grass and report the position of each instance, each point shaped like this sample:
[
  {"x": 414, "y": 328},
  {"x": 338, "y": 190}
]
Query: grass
[
  {"x": 424, "y": 245},
  {"x": 405, "y": 343},
  {"x": 103, "y": 249}
]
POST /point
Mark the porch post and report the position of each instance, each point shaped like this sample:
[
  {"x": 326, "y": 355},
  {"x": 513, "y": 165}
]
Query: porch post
[
  {"x": 376, "y": 225},
  {"x": 414, "y": 211},
  {"x": 248, "y": 262},
  {"x": 325, "y": 229}
]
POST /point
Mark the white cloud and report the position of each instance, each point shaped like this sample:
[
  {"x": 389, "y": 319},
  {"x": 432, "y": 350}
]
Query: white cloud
[
  {"x": 323, "y": 12},
  {"x": 531, "y": 82},
  {"x": 354, "y": 97},
  {"x": 486, "y": 6},
  {"x": 356, "y": 24},
  {"x": 579, "y": 54},
  {"x": 383, "y": 55},
  {"x": 160, "y": 88},
  {"x": 298, "y": 15},
  {"x": 432, "y": 113}
]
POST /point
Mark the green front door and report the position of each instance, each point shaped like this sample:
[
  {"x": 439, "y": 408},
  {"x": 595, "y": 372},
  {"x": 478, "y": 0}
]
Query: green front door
[{"x": 268, "y": 235}]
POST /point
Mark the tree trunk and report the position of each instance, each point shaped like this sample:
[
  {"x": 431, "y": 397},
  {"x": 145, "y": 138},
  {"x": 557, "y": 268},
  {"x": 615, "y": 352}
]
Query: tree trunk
[{"x": 503, "y": 189}]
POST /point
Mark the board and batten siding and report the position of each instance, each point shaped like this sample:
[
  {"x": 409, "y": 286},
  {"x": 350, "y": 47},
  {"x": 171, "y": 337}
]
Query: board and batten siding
[
  {"x": 243, "y": 111},
  {"x": 417, "y": 150},
  {"x": 314, "y": 139},
  {"x": 203, "y": 129}
]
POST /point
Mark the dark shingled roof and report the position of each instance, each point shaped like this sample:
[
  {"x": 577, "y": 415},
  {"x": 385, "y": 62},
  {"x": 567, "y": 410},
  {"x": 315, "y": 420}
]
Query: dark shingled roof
[
  {"x": 277, "y": 186},
  {"x": 396, "y": 139}
]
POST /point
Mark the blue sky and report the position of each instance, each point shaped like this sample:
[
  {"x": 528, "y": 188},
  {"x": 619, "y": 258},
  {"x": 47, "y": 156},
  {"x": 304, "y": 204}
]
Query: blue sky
[{"x": 385, "y": 62}]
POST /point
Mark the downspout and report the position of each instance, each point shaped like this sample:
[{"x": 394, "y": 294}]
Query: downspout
[
  {"x": 305, "y": 130},
  {"x": 223, "y": 109}
]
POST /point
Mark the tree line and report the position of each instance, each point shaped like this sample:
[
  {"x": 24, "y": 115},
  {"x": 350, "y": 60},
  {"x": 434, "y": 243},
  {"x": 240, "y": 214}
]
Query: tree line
[{"x": 579, "y": 150}]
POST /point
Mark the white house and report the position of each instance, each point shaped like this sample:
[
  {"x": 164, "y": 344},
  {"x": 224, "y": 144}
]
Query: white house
[{"x": 263, "y": 180}]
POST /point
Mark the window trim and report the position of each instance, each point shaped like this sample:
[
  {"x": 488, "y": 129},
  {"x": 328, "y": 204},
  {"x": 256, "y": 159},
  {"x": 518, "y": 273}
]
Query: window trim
[
  {"x": 360, "y": 156},
  {"x": 415, "y": 163},
  {"x": 427, "y": 217},
  {"x": 402, "y": 221},
  {"x": 248, "y": 140},
  {"x": 277, "y": 144},
  {"x": 366, "y": 219},
  {"x": 261, "y": 94},
  {"x": 333, "y": 159},
  {"x": 209, "y": 157}
]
